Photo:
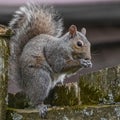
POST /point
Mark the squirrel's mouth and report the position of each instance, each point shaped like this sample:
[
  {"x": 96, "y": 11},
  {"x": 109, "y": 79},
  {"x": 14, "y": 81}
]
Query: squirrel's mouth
[{"x": 86, "y": 63}]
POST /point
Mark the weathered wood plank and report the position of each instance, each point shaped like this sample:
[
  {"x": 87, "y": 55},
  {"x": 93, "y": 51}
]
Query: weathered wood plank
[
  {"x": 105, "y": 112},
  {"x": 4, "y": 53}
]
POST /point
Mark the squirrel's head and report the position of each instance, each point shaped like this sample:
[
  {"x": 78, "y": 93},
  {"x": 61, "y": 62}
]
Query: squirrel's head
[{"x": 79, "y": 43}]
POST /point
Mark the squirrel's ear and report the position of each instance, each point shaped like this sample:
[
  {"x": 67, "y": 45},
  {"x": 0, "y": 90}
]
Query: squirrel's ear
[
  {"x": 83, "y": 31},
  {"x": 72, "y": 30}
]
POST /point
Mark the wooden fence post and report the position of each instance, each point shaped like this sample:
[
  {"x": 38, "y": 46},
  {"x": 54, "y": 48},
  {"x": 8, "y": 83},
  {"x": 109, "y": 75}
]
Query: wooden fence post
[{"x": 5, "y": 34}]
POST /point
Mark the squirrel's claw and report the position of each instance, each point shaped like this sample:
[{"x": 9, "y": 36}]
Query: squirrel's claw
[
  {"x": 85, "y": 63},
  {"x": 42, "y": 111}
]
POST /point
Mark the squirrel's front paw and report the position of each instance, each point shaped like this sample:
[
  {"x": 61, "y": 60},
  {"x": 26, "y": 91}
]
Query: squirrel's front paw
[
  {"x": 85, "y": 63},
  {"x": 42, "y": 110}
]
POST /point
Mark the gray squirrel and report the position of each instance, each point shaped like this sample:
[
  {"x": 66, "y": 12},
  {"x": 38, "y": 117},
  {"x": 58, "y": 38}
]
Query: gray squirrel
[{"x": 39, "y": 56}]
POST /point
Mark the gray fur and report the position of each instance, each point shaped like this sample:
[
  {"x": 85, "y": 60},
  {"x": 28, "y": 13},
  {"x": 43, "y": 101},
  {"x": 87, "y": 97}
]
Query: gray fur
[{"x": 39, "y": 59}]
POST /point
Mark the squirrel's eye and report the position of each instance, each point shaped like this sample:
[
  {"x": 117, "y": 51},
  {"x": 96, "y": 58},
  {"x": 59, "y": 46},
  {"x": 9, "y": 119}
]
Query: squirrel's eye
[{"x": 79, "y": 44}]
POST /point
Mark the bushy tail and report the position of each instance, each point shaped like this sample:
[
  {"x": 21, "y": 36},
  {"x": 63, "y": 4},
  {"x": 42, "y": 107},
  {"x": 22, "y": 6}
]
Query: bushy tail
[{"x": 33, "y": 19}]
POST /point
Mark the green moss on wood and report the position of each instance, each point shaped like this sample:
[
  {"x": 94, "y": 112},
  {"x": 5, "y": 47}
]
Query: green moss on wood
[
  {"x": 97, "y": 86},
  {"x": 18, "y": 100},
  {"x": 4, "y": 54},
  {"x": 61, "y": 95},
  {"x": 89, "y": 94},
  {"x": 64, "y": 95}
]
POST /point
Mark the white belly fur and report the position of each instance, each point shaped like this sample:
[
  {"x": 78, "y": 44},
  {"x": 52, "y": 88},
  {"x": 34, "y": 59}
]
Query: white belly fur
[{"x": 59, "y": 79}]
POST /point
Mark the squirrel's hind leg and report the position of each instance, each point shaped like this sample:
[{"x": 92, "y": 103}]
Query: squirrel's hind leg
[
  {"x": 42, "y": 110},
  {"x": 39, "y": 89}
]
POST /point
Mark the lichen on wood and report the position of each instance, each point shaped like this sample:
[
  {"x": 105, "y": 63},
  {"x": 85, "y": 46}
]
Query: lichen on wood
[
  {"x": 102, "y": 86},
  {"x": 64, "y": 95},
  {"x": 5, "y": 34}
]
